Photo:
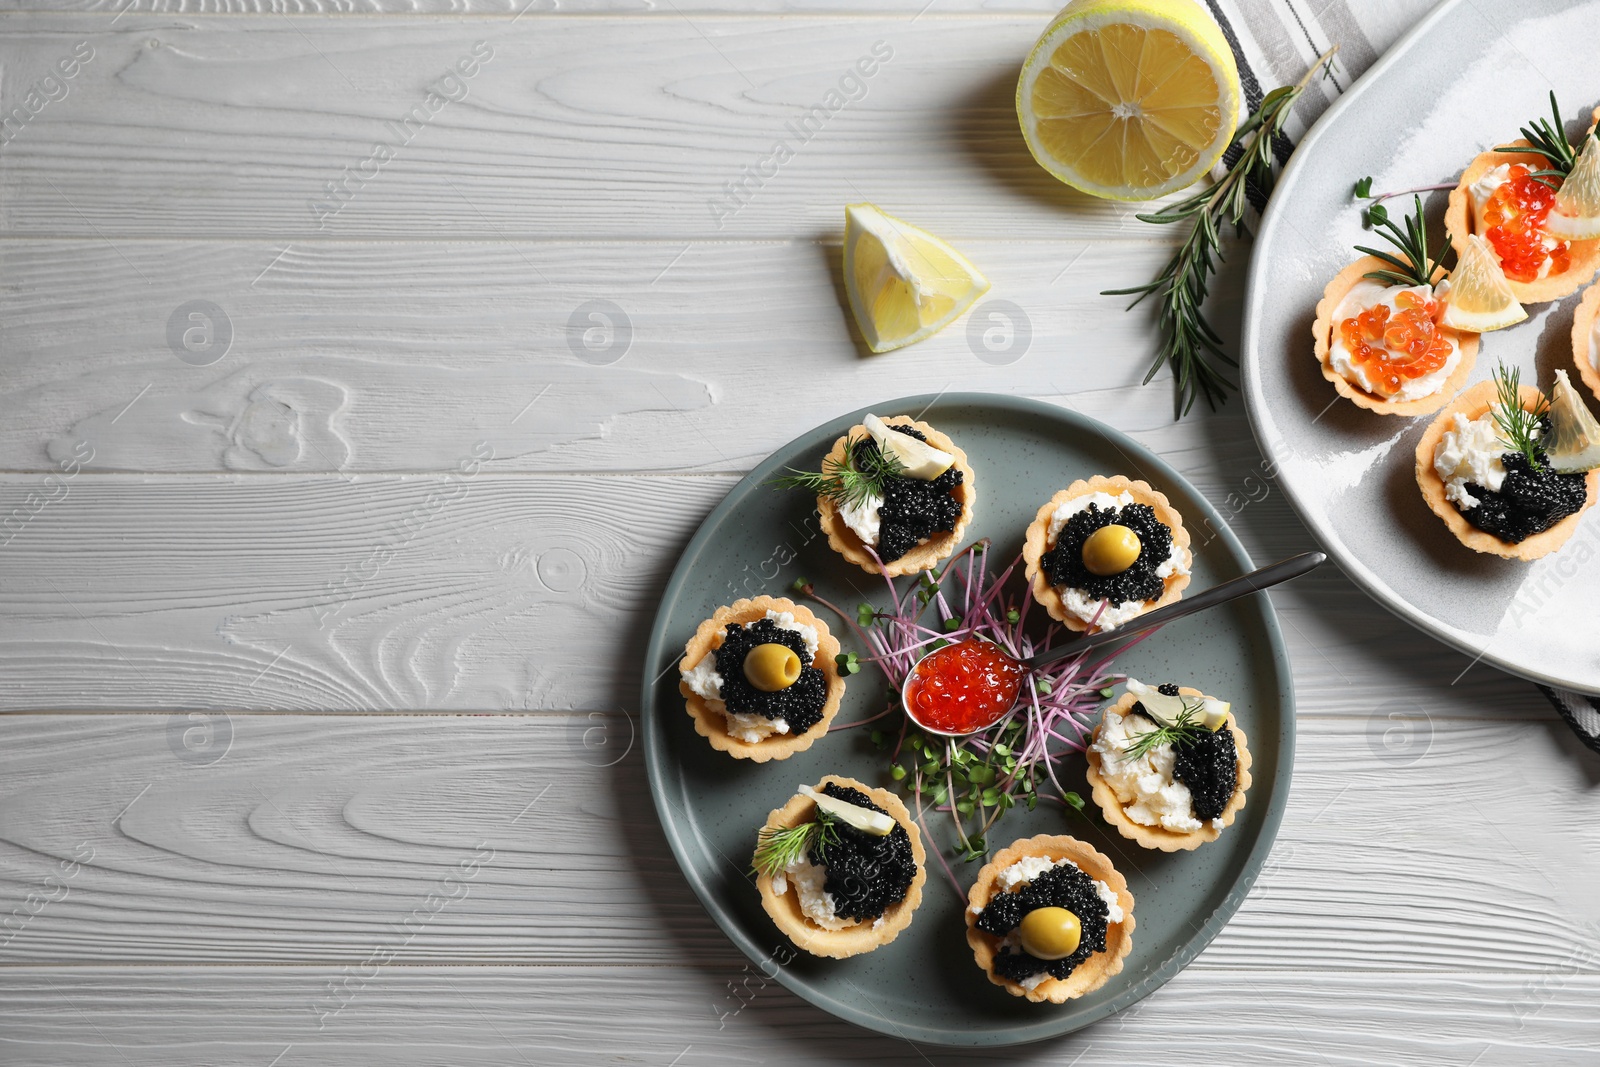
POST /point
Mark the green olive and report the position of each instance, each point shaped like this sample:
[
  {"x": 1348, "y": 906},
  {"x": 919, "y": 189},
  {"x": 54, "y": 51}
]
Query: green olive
[
  {"x": 1051, "y": 933},
  {"x": 1111, "y": 550},
  {"x": 771, "y": 667}
]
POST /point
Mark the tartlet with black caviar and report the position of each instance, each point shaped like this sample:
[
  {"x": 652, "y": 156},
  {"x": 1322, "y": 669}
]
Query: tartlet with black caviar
[
  {"x": 1104, "y": 551},
  {"x": 1482, "y": 469},
  {"x": 1050, "y": 919},
  {"x": 1168, "y": 766},
  {"x": 894, "y": 495},
  {"x": 840, "y": 867},
  {"x": 760, "y": 678}
]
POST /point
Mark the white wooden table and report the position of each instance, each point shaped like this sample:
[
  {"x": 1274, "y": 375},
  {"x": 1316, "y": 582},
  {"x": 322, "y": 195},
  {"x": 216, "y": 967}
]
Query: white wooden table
[{"x": 329, "y": 545}]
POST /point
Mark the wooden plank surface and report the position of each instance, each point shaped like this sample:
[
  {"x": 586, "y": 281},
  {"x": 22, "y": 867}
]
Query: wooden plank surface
[
  {"x": 563, "y": 132},
  {"x": 722, "y": 1015},
  {"x": 490, "y": 592},
  {"x": 307, "y": 838},
  {"x": 401, "y": 356},
  {"x": 245, "y": 600}
]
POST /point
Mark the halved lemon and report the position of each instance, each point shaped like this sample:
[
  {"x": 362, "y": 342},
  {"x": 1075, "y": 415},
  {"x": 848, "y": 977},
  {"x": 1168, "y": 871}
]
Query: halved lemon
[
  {"x": 1129, "y": 99},
  {"x": 1576, "y": 214},
  {"x": 1574, "y": 442},
  {"x": 904, "y": 284},
  {"x": 1479, "y": 298}
]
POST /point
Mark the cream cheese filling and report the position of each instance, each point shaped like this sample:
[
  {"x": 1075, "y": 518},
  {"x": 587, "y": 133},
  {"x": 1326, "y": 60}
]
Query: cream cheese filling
[
  {"x": 1144, "y": 787},
  {"x": 1470, "y": 451}
]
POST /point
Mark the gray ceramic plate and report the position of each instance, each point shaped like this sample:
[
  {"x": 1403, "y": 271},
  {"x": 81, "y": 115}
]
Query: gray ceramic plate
[
  {"x": 1463, "y": 80},
  {"x": 925, "y": 986}
]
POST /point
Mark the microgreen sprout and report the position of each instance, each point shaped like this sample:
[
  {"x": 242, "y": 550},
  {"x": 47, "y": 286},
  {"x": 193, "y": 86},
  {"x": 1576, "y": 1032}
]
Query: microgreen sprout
[{"x": 976, "y": 779}]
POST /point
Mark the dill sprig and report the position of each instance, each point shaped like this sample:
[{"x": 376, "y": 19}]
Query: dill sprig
[
  {"x": 1517, "y": 424},
  {"x": 1547, "y": 139},
  {"x": 777, "y": 848},
  {"x": 1189, "y": 343},
  {"x": 850, "y": 482},
  {"x": 1418, "y": 267},
  {"x": 1184, "y": 731}
]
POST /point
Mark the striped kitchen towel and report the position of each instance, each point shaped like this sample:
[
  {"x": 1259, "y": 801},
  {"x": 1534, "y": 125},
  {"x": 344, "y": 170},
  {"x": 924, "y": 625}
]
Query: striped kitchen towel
[{"x": 1275, "y": 42}]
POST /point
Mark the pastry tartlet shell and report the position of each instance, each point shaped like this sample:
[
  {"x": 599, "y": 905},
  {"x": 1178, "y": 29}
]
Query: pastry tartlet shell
[
  {"x": 1034, "y": 546},
  {"x": 1473, "y": 404},
  {"x": 1093, "y": 972},
  {"x": 1582, "y": 330},
  {"x": 713, "y": 726},
  {"x": 1458, "y": 220},
  {"x": 854, "y": 940},
  {"x": 1159, "y": 837},
  {"x": 844, "y": 541},
  {"x": 1322, "y": 330}
]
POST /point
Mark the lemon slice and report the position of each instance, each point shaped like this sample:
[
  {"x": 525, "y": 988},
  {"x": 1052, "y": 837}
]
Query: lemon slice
[
  {"x": 904, "y": 283},
  {"x": 1576, "y": 214},
  {"x": 1479, "y": 298},
  {"x": 864, "y": 819},
  {"x": 920, "y": 459},
  {"x": 1166, "y": 710},
  {"x": 1129, "y": 99},
  {"x": 1574, "y": 442}
]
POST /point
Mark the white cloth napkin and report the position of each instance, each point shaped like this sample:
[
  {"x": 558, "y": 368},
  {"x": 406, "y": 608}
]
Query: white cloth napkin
[{"x": 1274, "y": 42}]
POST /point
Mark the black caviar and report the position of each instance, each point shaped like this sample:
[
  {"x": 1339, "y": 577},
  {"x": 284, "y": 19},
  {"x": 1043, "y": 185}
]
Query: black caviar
[
  {"x": 1060, "y": 887},
  {"x": 1063, "y": 564},
  {"x": 799, "y": 705},
  {"x": 866, "y": 873},
  {"x": 912, "y": 509},
  {"x": 1207, "y": 764},
  {"x": 1529, "y": 501}
]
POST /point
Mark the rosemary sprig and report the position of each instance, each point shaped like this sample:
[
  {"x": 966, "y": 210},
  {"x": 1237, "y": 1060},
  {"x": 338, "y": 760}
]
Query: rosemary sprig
[
  {"x": 1418, "y": 267},
  {"x": 1181, "y": 733},
  {"x": 1549, "y": 140},
  {"x": 1516, "y": 423},
  {"x": 776, "y": 849},
  {"x": 851, "y": 482},
  {"x": 1189, "y": 343}
]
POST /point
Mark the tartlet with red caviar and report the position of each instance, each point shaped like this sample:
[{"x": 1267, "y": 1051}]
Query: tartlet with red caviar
[
  {"x": 1507, "y": 196},
  {"x": 1380, "y": 333}
]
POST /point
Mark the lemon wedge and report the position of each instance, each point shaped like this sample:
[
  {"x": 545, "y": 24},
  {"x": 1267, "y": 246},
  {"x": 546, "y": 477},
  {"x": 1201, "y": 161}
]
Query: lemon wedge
[
  {"x": 1576, "y": 214},
  {"x": 1478, "y": 298},
  {"x": 920, "y": 459},
  {"x": 904, "y": 283},
  {"x": 1167, "y": 710},
  {"x": 1574, "y": 442},
  {"x": 864, "y": 819},
  {"x": 1129, "y": 99}
]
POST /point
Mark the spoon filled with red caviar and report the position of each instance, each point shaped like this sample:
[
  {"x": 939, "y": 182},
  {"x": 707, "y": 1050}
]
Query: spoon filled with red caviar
[{"x": 970, "y": 685}]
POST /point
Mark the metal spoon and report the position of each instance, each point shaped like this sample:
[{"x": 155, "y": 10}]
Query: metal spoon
[{"x": 1257, "y": 580}]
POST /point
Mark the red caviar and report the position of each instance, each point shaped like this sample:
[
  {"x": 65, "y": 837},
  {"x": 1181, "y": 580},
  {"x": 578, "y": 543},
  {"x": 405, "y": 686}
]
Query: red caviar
[
  {"x": 963, "y": 687},
  {"x": 1394, "y": 348},
  {"x": 1513, "y": 223}
]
